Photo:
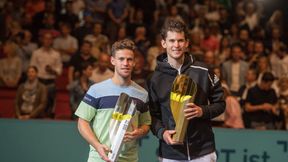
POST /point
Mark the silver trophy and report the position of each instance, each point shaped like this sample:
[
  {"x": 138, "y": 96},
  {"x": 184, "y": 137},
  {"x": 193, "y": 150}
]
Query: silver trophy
[{"x": 124, "y": 110}]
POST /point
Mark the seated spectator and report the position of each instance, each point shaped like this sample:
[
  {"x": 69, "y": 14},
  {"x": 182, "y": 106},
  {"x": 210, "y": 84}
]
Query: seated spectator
[
  {"x": 101, "y": 71},
  {"x": 140, "y": 72},
  {"x": 209, "y": 59},
  {"x": 10, "y": 66},
  {"x": 31, "y": 96},
  {"x": 283, "y": 97},
  {"x": 84, "y": 55},
  {"x": 261, "y": 104},
  {"x": 79, "y": 87}
]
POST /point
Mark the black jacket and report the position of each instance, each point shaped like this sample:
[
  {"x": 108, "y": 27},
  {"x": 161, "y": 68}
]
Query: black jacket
[{"x": 199, "y": 138}]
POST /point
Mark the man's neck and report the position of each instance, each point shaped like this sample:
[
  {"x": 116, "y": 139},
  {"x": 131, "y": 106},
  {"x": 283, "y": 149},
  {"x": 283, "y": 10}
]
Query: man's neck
[
  {"x": 120, "y": 81},
  {"x": 46, "y": 48},
  {"x": 176, "y": 63}
]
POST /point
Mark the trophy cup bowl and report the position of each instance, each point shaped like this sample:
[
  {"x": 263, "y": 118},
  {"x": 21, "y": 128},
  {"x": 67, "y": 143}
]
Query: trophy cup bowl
[{"x": 183, "y": 91}]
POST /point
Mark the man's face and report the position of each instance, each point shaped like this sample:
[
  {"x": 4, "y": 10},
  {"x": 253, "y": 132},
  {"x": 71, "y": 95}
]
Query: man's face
[
  {"x": 31, "y": 74},
  {"x": 236, "y": 53},
  {"x": 123, "y": 62},
  {"x": 175, "y": 45},
  {"x": 103, "y": 63},
  {"x": 266, "y": 85},
  {"x": 47, "y": 40},
  {"x": 86, "y": 49},
  {"x": 88, "y": 71}
]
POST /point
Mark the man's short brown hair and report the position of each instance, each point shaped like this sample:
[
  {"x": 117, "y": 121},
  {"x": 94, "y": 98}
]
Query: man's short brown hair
[
  {"x": 123, "y": 44},
  {"x": 174, "y": 25}
]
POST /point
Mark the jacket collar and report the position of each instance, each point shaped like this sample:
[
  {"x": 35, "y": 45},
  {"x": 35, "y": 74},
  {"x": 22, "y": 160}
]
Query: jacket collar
[{"x": 163, "y": 65}]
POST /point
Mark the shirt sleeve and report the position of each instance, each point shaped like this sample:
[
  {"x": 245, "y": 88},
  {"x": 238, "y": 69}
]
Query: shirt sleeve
[{"x": 85, "y": 111}]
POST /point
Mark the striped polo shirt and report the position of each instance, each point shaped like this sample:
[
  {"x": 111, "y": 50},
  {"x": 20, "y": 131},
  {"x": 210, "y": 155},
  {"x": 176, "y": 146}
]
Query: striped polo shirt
[{"x": 97, "y": 107}]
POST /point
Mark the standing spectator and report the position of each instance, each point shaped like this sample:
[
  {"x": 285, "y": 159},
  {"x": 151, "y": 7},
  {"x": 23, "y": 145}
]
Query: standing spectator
[
  {"x": 48, "y": 62},
  {"x": 251, "y": 16},
  {"x": 117, "y": 14},
  {"x": 97, "y": 9},
  {"x": 251, "y": 81},
  {"x": 102, "y": 72},
  {"x": 199, "y": 142},
  {"x": 261, "y": 104},
  {"x": 10, "y": 66},
  {"x": 234, "y": 69},
  {"x": 49, "y": 25},
  {"x": 31, "y": 97},
  {"x": 49, "y": 13},
  {"x": 80, "y": 86},
  {"x": 65, "y": 43},
  {"x": 69, "y": 17},
  {"x": 81, "y": 31}
]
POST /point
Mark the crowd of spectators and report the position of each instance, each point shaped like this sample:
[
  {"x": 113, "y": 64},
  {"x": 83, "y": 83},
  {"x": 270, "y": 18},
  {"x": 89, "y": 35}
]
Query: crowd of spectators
[{"x": 242, "y": 41}]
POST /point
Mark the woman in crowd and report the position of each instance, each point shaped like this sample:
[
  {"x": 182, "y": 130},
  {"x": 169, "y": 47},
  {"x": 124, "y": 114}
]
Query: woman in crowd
[{"x": 31, "y": 96}]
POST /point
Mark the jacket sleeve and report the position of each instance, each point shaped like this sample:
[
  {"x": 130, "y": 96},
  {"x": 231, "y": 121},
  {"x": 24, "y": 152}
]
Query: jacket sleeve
[
  {"x": 215, "y": 96},
  {"x": 157, "y": 127}
]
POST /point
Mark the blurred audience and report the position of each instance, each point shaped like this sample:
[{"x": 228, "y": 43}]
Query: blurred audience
[{"x": 241, "y": 34}]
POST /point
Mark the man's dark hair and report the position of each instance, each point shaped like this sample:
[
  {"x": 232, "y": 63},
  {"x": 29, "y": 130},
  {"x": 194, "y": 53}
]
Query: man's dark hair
[
  {"x": 84, "y": 65},
  {"x": 33, "y": 67},
  {"x": 268, "y": 77},
  {"x": 174, "y": 25},
  {"x": 123, "y": 44},
  {"x": 237, "y": 45},
  {"x": 87, "y": 42}
]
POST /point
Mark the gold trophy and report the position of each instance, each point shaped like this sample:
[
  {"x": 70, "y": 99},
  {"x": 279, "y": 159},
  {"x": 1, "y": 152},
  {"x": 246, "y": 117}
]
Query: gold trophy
[
  {"x": 124, "y": 110},
  {"x": 183, "y": 91}
]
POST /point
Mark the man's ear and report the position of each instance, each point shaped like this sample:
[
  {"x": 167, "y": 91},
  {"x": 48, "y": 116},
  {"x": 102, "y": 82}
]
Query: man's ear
[
  {"x": 112, "y": 60},
  {"x": 187, "y": 43},
  {"x": 163, "y": 43}
]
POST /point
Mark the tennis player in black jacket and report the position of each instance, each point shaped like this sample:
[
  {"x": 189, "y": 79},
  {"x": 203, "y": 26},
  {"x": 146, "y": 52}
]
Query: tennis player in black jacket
[{"x": 199, "y": 143}]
